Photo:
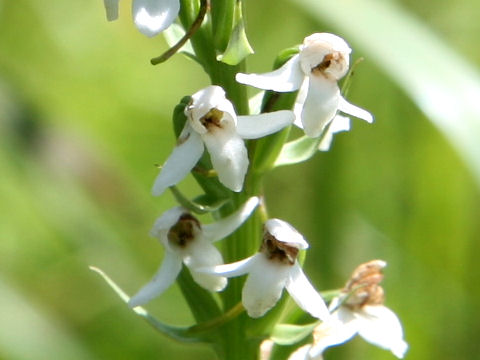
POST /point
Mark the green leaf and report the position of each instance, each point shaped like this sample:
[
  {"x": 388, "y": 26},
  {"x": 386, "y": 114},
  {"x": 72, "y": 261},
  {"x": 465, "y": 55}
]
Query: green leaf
[
  {"x": 238, "y": 46},
  {"x": 179, "y": 118},
  {"x": 297, "y": 151},
  {"x": 177, "y": 333},
  {"x": 442, "y": 83},
  {"x": 201, "y": 204},
  {"x": 287, "y": 334}
]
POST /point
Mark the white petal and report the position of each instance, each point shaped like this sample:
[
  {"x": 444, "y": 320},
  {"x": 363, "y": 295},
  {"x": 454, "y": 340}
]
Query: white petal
[
  {"x": 338, "y": 124},
  {"x": 314, "y": 49},
  {"x": 335, "y": 42},
  {"x": 339, "y": 328},
  {"x": 231, "y": 270},
  {"x": 347, "y": 108},
  {"x": 154, "y": 16},
  {"x": 211, "y": 97},
  {"x": 165, "y": 276},
  {"x": 256, "y": 126},
  {"x": 225, "y": 226},
  {"x": 305, "y": 295},
  {"x": 201, "y": 254},
  {"x": 264, "y": 285},
  {"x": 320, "y": 105},
  {"x": 302, "y": 353},
  {"x": 381, "y": 327},
  {"x": 229, "y": 156},
  {"x": 287, "y": 78},
  {"x": 111, "y": 7},
  {"x": 299, "y": 101},
  {"x": 165, "y": 222},
  {"x": 182, "y": 159},
  {"x": 283, "y": 231}
]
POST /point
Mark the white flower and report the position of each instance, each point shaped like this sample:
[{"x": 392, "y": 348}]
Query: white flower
[
  {"x": 186, "y": 240},
  {"x": 212, "y": 122},
  {"x": 359, "y": 310},
  {"x": 273, "y": 268},
  {"x": 150, "y": 16},
  {"x": 322, "y": 61}
]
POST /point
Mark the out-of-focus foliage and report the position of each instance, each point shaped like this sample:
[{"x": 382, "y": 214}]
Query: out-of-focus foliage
[{"x": 83, "y": 119}]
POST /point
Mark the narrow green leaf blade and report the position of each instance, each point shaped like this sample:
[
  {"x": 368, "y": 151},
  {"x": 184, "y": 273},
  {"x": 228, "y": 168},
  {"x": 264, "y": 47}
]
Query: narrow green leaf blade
[
  {"x": 177, "y": 333},
  {"x": 238, "y": 46},
  {"x": 287, "y": 334},
  {"x": 297, "y": 151}
]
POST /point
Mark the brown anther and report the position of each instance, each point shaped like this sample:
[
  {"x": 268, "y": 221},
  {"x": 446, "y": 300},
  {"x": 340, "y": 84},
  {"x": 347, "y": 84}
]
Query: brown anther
[
  {"x": 363, "y": 287},
  {"x": 184, "y": 231},
  {"x": 212, "y": 118},
  {"x": 278, "y": 250},
  {"x": 332, "y": 59}
]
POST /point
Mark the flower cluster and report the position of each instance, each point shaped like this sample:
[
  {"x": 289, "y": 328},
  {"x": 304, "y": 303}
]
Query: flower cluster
[{"x": 211, "y": 123}]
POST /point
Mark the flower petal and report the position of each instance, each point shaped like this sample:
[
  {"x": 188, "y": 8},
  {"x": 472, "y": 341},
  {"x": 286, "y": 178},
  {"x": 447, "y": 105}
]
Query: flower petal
[
  {"x": 347, "y": 108},
  {"x": 111, "y": 7},
  {"x": 165, "y": 222},
  {"x": 305, "y": 295},
  {"x": 302, "y": 353},
  {"x": 320, "y": 105},
  {"x": 203, "y": 101},
  {"x": 201, "y": 254},
  {"x": 339, "y": 328},
  {"x": 231, "y": 270},
  {"x": 165, "y": 276},
  {"x": 381, "y": 327},
  {"x": 154, "y": 16},
  {"x": 225, "y": 226},
  {"x": 299, "y": 101},
  {"x": 264, "y": 285},
  {"x": 338, "y": 124},
  {"x": 182, "y": 159},
  {"x": 256, "y": 126},
  {"x": 283, "y": 231},
  {"x": 305, "y": 353},
  {"x": 229, "y": 156},
  {"x": 287, "y": 78}
]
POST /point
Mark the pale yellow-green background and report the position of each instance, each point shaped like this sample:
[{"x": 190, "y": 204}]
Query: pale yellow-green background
[{"x": 83, "y": 119}]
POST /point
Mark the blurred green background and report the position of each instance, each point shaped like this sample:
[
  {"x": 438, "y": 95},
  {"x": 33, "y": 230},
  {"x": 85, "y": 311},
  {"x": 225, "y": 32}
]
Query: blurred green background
[{"x": 84, "y": 117}]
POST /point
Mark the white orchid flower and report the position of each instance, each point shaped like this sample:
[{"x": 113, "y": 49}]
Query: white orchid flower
[
  {"x": 212, "y": 123},
  {"x": 322, "y": 61},
  {"x": 186, "y": 240},
  {"x": 358, "y": 310},
  {"x": 150, "y": 16},
  {"x": 273, "y": 268}
]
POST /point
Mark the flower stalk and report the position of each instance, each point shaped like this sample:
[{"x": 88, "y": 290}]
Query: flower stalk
[{"x": 228, "y": 147}]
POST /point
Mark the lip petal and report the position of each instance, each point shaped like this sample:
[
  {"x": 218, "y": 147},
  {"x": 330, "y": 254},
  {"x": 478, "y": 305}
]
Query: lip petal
[{"x": 320, "y": 105}]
